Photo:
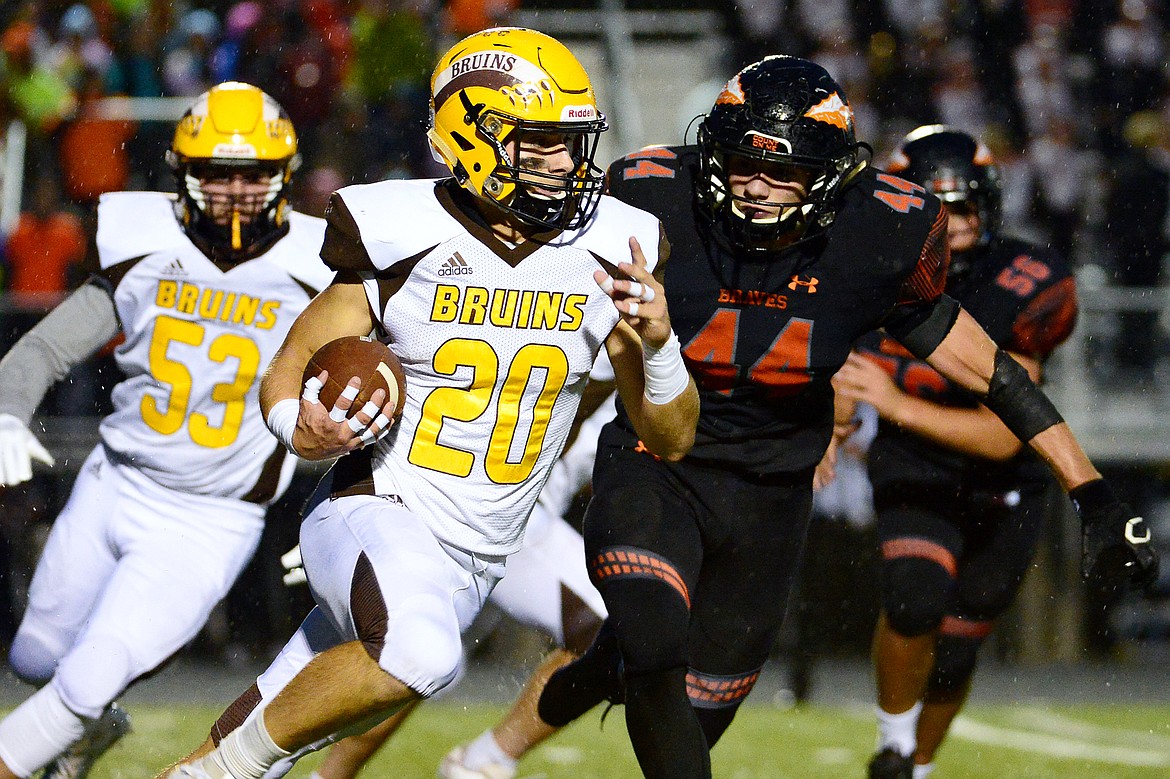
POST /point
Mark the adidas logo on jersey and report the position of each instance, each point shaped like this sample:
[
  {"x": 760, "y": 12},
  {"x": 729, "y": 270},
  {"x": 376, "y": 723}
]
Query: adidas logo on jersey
[
  {"x": 455, "y": 266},
  {"x": 174, "y": 268}
]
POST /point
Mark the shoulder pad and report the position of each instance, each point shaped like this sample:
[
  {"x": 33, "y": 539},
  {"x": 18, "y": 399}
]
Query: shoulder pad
[
  {"x": 608, "y": 233},
  {"x": 131, "y": 224},
  {"x": 298, "y": 252},
  {"x": 398, "y": 219}
]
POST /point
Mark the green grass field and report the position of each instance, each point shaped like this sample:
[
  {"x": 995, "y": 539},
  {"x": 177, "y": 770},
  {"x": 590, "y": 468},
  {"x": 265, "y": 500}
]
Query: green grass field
[{"x": 1005, "y": 741}]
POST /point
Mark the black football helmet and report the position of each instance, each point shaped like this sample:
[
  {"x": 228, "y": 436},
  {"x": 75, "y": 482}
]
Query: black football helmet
[
  {"x": 786, "y": 110},
  {"x": 953, "y": 166}
]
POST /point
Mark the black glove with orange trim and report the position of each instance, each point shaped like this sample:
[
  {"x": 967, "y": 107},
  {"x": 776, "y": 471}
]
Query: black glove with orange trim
[{"x": 1116, "y": 545}]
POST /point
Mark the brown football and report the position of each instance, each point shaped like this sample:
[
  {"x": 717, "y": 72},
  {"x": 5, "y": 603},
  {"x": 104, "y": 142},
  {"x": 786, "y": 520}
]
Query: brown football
[{"x": 369, "y": 360}]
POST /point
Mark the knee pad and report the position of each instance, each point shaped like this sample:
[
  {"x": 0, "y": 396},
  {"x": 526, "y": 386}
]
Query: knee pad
[
  {"x": 423, "y": 651},
  {"x": 32, "y": 661},
  {"x": 94, "y": 674},
  {"x": 716, "y": 699},
  {"x": 916, "y": 593},
  {"x": 954, "y": 663}
]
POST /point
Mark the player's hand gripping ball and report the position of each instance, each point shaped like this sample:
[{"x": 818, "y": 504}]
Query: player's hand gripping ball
[{"x": 368, "y": 359}]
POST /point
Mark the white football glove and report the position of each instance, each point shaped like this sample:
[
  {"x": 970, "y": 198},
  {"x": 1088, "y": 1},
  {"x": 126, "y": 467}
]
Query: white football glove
[
  {"x": 18, "y": 448},
  {"x": 294, "y": 568}
]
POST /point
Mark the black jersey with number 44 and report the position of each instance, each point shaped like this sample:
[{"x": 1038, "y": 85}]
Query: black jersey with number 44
[
  {"x": 764, "y": 335},
  {"x": 1024, "y": 296}
]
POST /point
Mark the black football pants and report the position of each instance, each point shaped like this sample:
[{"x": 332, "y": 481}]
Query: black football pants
[{"x": 695, "y": 564}]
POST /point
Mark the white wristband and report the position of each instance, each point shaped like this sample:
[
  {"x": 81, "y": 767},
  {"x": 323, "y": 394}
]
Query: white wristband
[
  {"x": 282, "y": 421},
  {"x": 666, "y": 374}
]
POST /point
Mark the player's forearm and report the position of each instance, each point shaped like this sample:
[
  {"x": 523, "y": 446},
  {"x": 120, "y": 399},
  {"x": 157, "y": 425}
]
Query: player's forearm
[
  {"x": 338, "y": 311},
  {"x": 668, "y": 429},
  {"x": 666, "y": 425},
  {"x": 971, "y": 431},
  {"x": 1058, "y": 447},
  {"x": 69, "y": 334}
]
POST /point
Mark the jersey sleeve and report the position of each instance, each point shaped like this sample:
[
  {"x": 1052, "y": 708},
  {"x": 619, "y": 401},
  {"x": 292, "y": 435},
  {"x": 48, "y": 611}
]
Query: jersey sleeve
[
  {"x": 1047, "y": 320},
  {"x": 929, "y": 277},
  {"x": 342, "y": 248}
]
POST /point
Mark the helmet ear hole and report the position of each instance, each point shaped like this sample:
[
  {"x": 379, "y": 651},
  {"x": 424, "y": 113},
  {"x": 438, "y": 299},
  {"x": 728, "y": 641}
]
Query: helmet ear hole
[{"x": 464, "y": 144}]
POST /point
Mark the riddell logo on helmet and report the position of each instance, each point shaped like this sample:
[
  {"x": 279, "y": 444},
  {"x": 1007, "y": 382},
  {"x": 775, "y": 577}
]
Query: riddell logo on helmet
[
  {"x": 832, "y": 110},
  {"x": 579, "y": 112},
  {"x": 243, "y": 151}
]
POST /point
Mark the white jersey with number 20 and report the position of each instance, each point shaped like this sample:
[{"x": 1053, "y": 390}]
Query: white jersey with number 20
[{"x": 497, "y": 343}]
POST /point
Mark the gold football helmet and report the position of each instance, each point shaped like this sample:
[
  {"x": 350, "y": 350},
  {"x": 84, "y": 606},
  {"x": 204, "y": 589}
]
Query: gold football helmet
[
  {"x": 232, "y": 129},
  {"x": 497, "y": 86}
]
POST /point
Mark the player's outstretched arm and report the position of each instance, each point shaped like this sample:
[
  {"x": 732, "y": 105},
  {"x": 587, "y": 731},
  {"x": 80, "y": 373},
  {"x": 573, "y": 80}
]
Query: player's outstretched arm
[
  {"x": 656, "y": 390},
  {"x": 1115, "y": 542},
  {"x": 972, "y": 431},
  {"x": 292, "y": 411},
  {"x": 83, "y": 323}
]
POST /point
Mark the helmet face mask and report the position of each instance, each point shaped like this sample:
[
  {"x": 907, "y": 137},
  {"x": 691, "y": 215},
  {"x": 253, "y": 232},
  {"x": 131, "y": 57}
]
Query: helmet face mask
[
  {"x": 499, "y": 100},
  {"x": 233, "y": 157},
  {"x": 782, "y": 113}
]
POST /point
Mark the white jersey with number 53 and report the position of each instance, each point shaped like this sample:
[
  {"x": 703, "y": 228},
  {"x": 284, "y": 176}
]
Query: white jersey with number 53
[
  {"x": 196, "y": 341},
  {"x": 496, "y": 341}
]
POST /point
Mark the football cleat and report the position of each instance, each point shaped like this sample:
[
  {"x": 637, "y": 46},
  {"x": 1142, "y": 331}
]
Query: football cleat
[
  {"x": 891, "y": 764},
  {"x": 105, "y": 731},
  {"x": 453, "y": 767}
]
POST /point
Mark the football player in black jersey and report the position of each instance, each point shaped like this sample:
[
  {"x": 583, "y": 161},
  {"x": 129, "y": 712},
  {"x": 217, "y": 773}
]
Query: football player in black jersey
[
  {"x": 787, "y": 246},
  {"x": 959, "y": 507}
]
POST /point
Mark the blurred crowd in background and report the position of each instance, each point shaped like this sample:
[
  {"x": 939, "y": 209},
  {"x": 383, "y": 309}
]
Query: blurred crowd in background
[{"x": 1072, "y": 97}]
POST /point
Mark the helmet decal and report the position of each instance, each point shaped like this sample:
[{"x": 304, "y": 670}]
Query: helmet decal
[
  {"x": 759, "y": 140},
  {"x": 832, "y": 110},
  {"x": 732, "y": 93}
]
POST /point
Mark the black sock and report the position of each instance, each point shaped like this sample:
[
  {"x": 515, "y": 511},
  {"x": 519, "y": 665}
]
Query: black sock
[
  {"x": 583, "y": 683},
  {"x": 663, "y": 728}
]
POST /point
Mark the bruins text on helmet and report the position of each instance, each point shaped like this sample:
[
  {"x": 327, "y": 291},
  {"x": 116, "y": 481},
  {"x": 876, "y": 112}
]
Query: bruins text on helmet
[
  {"x": 953, "y": 166},
  {"x": 783, "y": 110},
  {"x": 234, "y": 131},
  {"x": 499, "y": 86}
]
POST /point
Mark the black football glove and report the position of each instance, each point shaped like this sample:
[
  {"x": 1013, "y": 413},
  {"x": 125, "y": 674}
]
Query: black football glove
[{"x": 1116, "y": 545}]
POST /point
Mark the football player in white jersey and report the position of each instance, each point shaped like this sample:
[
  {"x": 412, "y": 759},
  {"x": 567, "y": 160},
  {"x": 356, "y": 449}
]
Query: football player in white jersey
[
  {"x": 168, "y": 508},
  {"x": 547, "y": 588},
  {"x": 497, "y": 289}
]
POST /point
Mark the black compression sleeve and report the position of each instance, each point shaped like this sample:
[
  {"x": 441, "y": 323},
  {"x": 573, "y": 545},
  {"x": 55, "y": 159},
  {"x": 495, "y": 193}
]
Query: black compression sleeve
[
  {"x": 1019, "y": 403},
  {"x": 922, "y": 329}
]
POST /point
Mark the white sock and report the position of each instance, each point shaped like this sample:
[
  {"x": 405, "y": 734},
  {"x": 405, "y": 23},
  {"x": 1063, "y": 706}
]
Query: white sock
[
  {"x": 485, "y": 750},
  {"x": 899, "y": 730},
  {"x": 315, "y": 775},
  {"x": 248, "y": 751},
  {"x": 38, "y": 731},
  {"x": 923, "y": 771}
]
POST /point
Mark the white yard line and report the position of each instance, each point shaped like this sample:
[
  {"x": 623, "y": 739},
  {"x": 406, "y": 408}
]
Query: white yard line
[
  {"x": 1057, "y": 746},
  {"x": 1047, "y": 721}
]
